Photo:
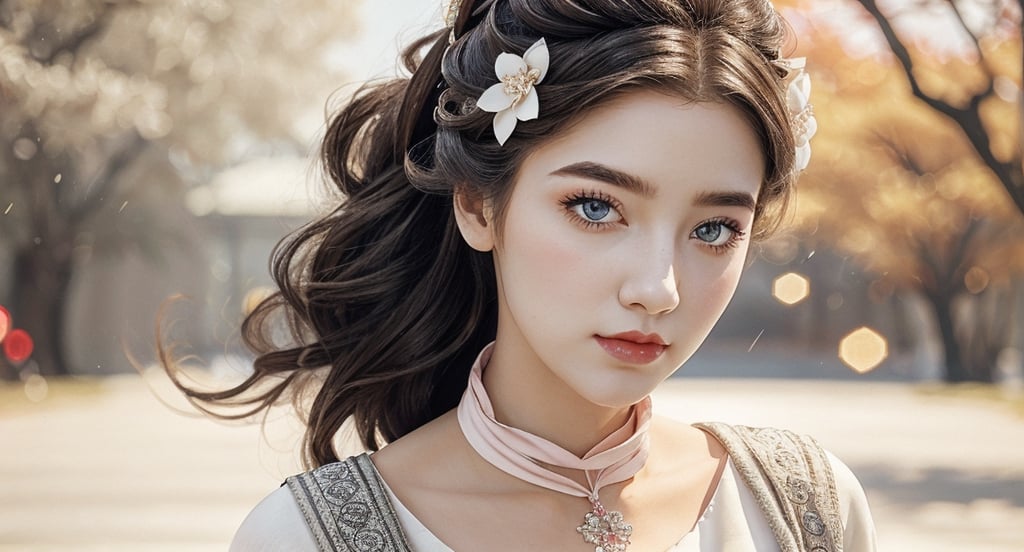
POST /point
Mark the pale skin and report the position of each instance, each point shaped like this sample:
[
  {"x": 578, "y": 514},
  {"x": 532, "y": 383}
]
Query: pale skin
[{"x": 635, "y": 219}]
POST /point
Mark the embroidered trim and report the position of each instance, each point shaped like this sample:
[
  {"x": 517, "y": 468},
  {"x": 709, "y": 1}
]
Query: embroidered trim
[
  {"x": 347, "y": 509},
  {"x": 791, "y": 478}
]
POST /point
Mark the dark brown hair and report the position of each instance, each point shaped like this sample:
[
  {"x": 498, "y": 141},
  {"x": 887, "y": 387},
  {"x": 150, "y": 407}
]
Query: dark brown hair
[{"x": 386, "y": 305}]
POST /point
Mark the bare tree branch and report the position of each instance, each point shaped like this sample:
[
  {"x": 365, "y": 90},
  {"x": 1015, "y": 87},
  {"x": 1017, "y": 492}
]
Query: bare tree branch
[
  {"x": 77, "y": 39},
  {"x": 899, "y": 153},
  {"x": 982, "y": 61},
  {"x": 74, "y": 38},
  {"x": 968, "y": 118},
  {"x": 903, "y": 56},
  {"x": 958, "y": 264},
  {"x": 932, "y": 280}
]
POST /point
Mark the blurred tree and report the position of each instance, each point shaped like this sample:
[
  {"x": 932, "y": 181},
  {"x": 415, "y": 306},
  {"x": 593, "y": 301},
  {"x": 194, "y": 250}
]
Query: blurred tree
[
  {"x": 899, "y": 187},
  {"x": 990, "y": 21},
  {"x": 111, "y": 108}
]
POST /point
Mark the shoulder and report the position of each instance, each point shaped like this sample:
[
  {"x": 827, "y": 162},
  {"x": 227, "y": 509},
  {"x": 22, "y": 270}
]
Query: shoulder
[
  {"x": 311, "y": 510},
  {"x": 858, "y": 525},
  {"x": 276, "y": 523},
  {"x": 345, "y": 506},
  {"x": 802, "y": 476}
]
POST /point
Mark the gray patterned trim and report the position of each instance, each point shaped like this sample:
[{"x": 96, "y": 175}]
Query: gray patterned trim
[
  {"x": 791, "y": 478},
  {"x": 347, "y": 508}
]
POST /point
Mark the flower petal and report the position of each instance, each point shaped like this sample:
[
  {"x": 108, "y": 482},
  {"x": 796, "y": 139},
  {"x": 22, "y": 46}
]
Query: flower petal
[
  {"x": 537, "y": 57},
  {"x": 529, "y": 107},
  {"x": 803, "y": 157},
  {"x": 812, "y": 128},
  {"x": 508, "y": 64},
  {"x": 804, "y": 82},
  {"x": 798, "y": 93},
  {"x": 504, "y": 124},
  {"x": 494, "y": 99},
  {"x": 796, "y": 64}
]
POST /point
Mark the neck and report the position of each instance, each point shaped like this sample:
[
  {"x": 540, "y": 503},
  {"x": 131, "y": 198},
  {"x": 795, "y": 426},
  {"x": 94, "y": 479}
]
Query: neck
[
  {"x": 525, "y": 454},
  {"x": 527, "y": 396}
]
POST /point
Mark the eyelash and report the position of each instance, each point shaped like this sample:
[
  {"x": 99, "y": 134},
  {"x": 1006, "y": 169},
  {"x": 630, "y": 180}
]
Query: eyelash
[
  {"x": 736, "y": 236},
  {"x": 579, "y": 198}
]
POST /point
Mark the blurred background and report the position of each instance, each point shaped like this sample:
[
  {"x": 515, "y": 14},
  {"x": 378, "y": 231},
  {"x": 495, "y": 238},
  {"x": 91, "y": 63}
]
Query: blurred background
[{"x": 159, "y": 149}]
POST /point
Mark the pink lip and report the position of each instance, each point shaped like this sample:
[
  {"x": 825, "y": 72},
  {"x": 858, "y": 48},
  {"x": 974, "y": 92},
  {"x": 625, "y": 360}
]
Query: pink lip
[{"x": 633, "y": 347}]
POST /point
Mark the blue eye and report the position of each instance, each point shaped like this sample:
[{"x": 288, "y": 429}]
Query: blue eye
[
  {"x": 595, "y": 210},
  {"x": 710, "y": 232},
  {"x": 592, "y": 209},
  {"x": 719, "y": 235}
]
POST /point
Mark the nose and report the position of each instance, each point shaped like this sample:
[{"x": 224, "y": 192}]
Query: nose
[{"x": 651, "y": 283}]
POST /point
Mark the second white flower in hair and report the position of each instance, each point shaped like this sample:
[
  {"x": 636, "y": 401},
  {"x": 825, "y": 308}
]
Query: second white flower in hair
[
  {"x": 515, "y": 98},
  {"x": 798, "y": 98}
]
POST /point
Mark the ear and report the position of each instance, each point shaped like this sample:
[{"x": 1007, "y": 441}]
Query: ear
[{"x": 475, "y": 220}]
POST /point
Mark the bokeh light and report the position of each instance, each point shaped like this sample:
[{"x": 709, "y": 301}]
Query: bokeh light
[
  {"x": 976, "y": 280},
  {"x": 5, "y": 323},
  {"x": 835, "y": 301},
  {"x": 25, "y": 149},
  {"x": 863, "y": 350},
  {"x": 18, "y": 346},
  {"x": 36, "y": 388},
  {"x": 791, "y": 288}
]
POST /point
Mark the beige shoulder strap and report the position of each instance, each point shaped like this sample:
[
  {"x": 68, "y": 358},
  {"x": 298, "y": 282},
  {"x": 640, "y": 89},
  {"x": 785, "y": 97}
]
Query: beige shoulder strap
[
  {"x": 791, "y": 478},
  {"x": 347, "y": 508}
]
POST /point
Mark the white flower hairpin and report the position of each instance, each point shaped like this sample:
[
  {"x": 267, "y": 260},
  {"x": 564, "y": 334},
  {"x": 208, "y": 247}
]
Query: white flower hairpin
[
  {"x": 798, "y": 99},
  {"x": 515, "y": 99}
]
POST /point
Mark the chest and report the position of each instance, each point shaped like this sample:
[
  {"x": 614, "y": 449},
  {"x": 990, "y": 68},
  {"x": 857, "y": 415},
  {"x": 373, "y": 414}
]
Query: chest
[{"x": 660, "y": 511}]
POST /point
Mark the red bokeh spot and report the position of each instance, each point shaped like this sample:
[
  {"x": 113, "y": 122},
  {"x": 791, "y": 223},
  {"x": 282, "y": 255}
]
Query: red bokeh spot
[
  {"x": 5, "y": 323},
  {"x": 18, "y": 346}
]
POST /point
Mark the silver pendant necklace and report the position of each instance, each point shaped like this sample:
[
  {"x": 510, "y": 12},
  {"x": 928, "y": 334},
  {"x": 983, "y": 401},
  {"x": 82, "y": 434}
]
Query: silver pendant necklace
[{"x": 607, "y": 531}]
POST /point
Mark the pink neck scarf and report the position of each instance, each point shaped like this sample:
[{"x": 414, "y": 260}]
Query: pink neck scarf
[{"x": 518, "y": 453}]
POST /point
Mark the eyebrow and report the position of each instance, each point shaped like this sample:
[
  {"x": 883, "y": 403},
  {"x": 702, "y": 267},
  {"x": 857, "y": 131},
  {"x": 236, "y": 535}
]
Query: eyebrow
[
  {"x": 726, "y": 199},
  {"x": 603, "y": 173}
]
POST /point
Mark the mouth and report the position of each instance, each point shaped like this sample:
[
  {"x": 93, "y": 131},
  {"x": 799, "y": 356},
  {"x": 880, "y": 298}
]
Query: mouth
[{"x": 633, "y": 347}]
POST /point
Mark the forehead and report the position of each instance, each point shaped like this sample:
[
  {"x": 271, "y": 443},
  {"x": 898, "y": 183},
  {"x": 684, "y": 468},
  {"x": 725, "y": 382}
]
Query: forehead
[{"x": 663, "y": 140}]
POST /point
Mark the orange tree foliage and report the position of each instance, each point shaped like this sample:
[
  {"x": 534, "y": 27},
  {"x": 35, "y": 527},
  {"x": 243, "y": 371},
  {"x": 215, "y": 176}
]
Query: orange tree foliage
[{"x": 898, "y": 187}]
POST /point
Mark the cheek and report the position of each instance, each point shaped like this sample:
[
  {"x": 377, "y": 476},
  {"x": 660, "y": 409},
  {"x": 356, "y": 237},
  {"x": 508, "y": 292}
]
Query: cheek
[
  {"x": 713, "y": 283},
  {"x": 554, "y": 267},
  {"x": 541, "y": 257},
  {"x": 724, "y": 287}
]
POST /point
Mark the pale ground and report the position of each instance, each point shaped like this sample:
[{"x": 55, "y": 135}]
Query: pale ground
[{"x": 108, "y": 467}]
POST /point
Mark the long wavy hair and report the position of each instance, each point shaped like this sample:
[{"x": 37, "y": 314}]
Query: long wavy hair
[{"x": 386, "y": 306}]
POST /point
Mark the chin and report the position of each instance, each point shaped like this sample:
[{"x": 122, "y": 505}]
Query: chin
[
  {"x": 621, "y": 391},
  {"x": 624, "y": 385}
]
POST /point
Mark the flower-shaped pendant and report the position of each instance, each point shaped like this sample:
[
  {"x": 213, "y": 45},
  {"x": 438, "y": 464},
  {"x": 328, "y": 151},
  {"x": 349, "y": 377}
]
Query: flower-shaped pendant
[{"x": 607, "y": 531}]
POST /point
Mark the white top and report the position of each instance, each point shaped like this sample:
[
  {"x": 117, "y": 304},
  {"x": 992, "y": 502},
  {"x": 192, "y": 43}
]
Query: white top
[{"x": 731, "y": 523}]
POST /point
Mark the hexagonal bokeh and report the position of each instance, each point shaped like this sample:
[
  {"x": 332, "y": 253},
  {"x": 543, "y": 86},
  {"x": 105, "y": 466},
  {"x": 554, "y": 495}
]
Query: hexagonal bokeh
[
  {"x": 863, "y": 350},
  {"x": 791, "y": 288}
]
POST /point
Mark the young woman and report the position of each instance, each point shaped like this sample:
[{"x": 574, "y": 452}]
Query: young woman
[{"x": 539, "y": 226}]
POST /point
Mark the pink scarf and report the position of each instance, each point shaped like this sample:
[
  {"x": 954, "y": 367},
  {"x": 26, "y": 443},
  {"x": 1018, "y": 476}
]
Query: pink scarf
[{"x": 518, "y": 453}]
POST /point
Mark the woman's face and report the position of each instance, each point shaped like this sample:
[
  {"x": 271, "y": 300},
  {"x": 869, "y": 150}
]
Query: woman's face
[{"x": 622, "y": 243}]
